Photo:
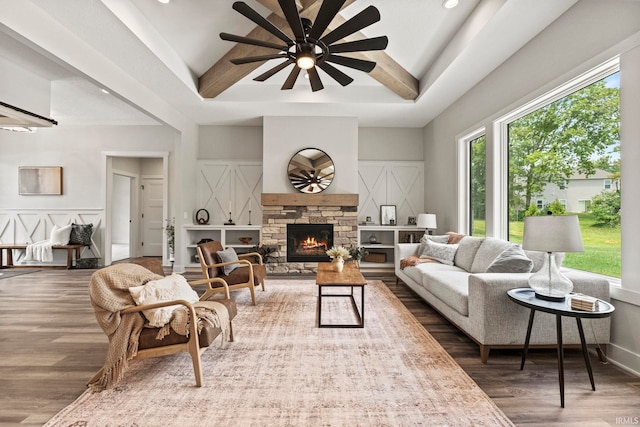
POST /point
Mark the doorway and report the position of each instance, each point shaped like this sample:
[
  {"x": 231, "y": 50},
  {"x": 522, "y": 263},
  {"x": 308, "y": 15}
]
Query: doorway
[{"x": 126, "y": 203}]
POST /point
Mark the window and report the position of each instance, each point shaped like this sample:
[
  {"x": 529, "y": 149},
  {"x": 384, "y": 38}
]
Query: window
[
  {"x": 573, "y": 130},
  {"x": 477, "y": 190},
  {"x": 563, "y": 202}
]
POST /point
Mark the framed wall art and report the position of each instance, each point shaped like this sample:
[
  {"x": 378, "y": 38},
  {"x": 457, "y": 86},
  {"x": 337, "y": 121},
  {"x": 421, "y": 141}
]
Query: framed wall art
[
  {"x": 388, "y": 215},
  {"x": 40, "y": 180}
]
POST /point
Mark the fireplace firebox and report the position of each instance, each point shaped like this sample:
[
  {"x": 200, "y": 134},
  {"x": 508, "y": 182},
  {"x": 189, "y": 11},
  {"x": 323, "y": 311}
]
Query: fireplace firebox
[{"x": 309, "y": 242}]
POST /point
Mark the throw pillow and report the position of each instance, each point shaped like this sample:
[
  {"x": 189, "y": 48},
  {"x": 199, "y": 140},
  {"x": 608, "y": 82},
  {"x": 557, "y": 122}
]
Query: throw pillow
[
  {"x": 511, "y": 260},
  {"x": 440, "y": 252},
  {"x": 423, "y": 241},
  {"x": 228, "y": 255},
  {"x": 81, "y": 234},
  {"x": 170, "y": 288},
  {"x": 60, "y": 235}
]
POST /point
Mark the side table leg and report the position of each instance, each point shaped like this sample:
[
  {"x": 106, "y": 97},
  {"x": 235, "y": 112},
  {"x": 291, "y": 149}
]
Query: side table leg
[
  {"x": 526, "y": 341},
  {"x": 319, "y": 306},
  {"x": 560, "y": 358},
  {"x": 585, "y": 353}
]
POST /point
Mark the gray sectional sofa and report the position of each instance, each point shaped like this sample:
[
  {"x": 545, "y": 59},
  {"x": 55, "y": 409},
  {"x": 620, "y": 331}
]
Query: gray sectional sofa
[{"x": 475, "y": 301}]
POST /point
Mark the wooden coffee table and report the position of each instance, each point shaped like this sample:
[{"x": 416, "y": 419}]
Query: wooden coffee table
[{"x": 350, "y": 277}]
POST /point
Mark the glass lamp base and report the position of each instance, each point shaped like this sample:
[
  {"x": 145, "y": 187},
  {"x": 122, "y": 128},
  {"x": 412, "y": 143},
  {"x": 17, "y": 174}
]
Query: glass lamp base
[{"x": 548, "y": 283}]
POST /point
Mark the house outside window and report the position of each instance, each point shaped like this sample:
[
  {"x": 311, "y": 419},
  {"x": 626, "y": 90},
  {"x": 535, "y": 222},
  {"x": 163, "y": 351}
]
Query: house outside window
[
  {"x": 607, "y": 184},
  {"x": 539, "y": 203}
]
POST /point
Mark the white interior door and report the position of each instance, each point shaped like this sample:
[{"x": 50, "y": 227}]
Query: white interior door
[{"x": 152, "y": 221}]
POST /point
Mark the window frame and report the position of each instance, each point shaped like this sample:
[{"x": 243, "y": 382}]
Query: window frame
[{"x": 501, "y": 127}]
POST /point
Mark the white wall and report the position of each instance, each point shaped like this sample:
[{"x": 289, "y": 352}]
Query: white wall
[
  {"x": 284, "y": 136},
  {"x": 390, "y": 144},
  {"x": 230, "y": 143},
  {"x": 588, "y": 34},
  {"x": 23, "y": 89}
]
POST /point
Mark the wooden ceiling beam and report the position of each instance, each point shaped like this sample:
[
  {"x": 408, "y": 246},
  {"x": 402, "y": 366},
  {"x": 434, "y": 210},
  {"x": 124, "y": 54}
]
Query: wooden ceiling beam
[{"x": 223, "y": 74}]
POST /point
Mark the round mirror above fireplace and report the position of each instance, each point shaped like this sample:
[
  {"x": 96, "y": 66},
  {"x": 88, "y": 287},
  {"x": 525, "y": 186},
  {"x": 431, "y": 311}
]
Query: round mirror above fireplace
[{"x": 310, "y": 170}]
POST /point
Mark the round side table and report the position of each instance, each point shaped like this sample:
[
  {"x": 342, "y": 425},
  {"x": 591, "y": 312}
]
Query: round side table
[{"x": 526, "y": 297}]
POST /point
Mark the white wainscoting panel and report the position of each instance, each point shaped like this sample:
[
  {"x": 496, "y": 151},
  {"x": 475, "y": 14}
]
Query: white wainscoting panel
[
  {"x": 399, "y": 183},
  {"x": 25, "y": 226},
  {"x": 221, "y": 183}
]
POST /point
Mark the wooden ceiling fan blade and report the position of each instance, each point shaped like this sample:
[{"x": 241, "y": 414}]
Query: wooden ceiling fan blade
[
  {"x": 291, "y": 80},
  {"x": 264, "y": 76},
  {"x": 363, "y": 19},
  {"x": 293, "y": 18},
  {"x": 374, "y": 43},
  {"x": 248, "y": 12},
  {"x": 246, "y": 40},
  {"x": 260, "y": 58},
  {"x": 327, "y": 12},
  {"x": 336, "y": 74},
  {"x": 358, "y": 64},
  {"x": 314, "y": 79}
]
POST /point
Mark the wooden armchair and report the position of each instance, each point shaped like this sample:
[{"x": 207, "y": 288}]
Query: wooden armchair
[
  {"x": 194, "y": 343},
  {"x": 246, "y": 275}
]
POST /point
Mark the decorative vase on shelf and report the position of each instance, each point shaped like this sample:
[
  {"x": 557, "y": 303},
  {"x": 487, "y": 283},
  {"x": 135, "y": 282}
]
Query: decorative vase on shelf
[{"x": 338, "y": 264}]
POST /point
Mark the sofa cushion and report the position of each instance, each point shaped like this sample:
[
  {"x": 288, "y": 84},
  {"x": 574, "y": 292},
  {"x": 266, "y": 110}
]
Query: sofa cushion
[
  {"x": 511, "y": 260},
  {"x": 451, "y": 287},
  {"x": 466, "y": 252},
  {"x": 440, "y": 252},
  {"x": 487, "y": 252}
]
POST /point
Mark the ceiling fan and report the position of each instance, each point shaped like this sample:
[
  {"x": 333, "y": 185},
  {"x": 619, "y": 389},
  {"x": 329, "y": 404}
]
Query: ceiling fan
[{"x": 311, "y": 49}]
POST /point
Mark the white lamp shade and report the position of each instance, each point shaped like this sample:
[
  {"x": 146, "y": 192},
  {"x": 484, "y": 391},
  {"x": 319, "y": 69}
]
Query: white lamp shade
[
  {"x": 552, "y": 233},
  {"x": 427, "y": 221}
]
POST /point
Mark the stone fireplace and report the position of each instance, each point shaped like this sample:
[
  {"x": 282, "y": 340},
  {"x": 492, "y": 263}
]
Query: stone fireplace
[{"x": 340, "y": 211}]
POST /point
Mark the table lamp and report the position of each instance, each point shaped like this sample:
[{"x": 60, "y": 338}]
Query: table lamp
[
  {"x": 551, "y": 233},
  {"x": 428, "y": 222}
]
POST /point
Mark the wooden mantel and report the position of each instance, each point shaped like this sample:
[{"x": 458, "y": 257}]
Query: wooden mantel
[{"x": 300, "y": 199}]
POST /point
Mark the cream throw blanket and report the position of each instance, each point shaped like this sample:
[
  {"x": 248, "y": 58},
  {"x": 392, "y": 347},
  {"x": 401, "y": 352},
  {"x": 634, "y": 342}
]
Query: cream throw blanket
[
  {"x": 109, "y": 293},
  {"x": 39, "y": 251}
]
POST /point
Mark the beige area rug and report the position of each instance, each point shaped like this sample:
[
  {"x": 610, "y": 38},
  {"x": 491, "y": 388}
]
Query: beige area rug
[{"x": 284, "y": 371}]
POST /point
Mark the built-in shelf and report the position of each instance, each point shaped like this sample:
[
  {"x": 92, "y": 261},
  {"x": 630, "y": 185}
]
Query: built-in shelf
[
  {"x": 380, "y": 241},
  {"x": 227, "y": 235}
]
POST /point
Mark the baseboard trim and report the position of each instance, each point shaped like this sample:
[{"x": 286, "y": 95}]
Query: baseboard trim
[{"x": 624, "y": 359}]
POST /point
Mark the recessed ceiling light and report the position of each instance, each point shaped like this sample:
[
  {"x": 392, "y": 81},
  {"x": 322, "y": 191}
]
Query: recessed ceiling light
[
  {"x": 164, "y": 1},
  {"x": 106, "y": 92},
  {"x": 449, "y": 4}
]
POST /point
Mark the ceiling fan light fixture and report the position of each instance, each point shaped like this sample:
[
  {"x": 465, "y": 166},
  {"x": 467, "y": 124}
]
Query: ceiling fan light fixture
[
  {"x": 305, "y": 56},
  {"x": 449, "y": 4}
]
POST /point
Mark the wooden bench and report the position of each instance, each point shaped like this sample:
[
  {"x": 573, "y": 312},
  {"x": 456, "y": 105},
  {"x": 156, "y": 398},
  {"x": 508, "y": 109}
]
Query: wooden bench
[{"x": 71, "y": 251}]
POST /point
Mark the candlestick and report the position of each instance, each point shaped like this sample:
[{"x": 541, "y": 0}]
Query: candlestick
[{"x": 249, "y": 216}]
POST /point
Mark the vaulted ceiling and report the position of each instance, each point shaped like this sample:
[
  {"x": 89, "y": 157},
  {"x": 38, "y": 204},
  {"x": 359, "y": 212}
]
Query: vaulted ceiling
[{"x": 162, "y": 61}]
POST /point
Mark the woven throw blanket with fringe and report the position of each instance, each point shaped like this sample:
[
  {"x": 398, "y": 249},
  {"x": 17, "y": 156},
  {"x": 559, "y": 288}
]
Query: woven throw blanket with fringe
[{"x": 109, "y": 293}]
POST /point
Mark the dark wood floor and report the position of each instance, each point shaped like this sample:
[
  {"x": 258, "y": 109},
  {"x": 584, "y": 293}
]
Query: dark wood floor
[{"x": 51, "y": 345}]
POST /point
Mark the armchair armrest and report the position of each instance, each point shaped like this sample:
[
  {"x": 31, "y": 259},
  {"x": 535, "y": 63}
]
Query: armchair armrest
[
  {"x": 251, "y": 254},
  {"x": 210, "y": 289},
  {"x": 222, "y": 264}
]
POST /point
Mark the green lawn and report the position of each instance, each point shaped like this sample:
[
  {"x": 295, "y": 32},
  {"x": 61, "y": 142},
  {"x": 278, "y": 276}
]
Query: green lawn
[{"x": 601, "y": 246}]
